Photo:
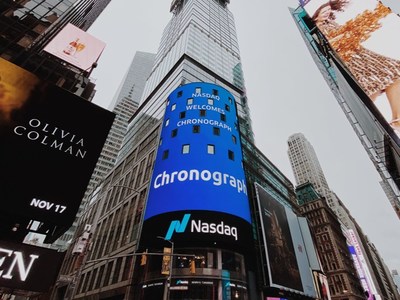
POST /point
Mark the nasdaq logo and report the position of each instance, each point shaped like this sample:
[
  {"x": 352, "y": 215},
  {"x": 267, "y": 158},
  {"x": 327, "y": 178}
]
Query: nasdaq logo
[
  {"x": 199, "y": 226},
  {"x": 177, "y": 226}
]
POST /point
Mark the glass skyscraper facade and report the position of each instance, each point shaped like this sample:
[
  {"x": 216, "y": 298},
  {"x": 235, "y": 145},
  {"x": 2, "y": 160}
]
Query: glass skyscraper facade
[{"x": 198, "y": 45}]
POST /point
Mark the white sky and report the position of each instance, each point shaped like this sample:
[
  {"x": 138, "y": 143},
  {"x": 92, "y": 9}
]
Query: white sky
[{"x": 286, "y": 92}]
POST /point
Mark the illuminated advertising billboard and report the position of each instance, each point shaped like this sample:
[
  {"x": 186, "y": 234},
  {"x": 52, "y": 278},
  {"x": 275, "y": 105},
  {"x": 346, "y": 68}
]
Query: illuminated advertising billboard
[
  {"x": 283, "y": 268},
  {"x": 361, "y": 265},
  {"x": 22, "y": 267},
  {"x": 76, "y": 47},
  {"x": 50, "y": 141},
  {"x": 198, "y": 188},
  {"x": 363, "y": 34}
]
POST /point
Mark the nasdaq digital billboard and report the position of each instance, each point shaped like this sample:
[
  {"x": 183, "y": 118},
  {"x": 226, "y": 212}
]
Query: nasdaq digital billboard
[
  {"x": 50, "y": 140},
  {"x": 363, "y": 34},
  {"x": 198, "y": 188}
]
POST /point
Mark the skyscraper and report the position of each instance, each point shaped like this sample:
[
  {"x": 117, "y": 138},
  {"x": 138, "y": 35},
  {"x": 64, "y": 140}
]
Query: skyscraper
[
  {"x": 191, "y": 130},
  {"x": 125, "y": 104},
  {"x": 132, "y": 85},
  {"x": 307, "y": 170}
]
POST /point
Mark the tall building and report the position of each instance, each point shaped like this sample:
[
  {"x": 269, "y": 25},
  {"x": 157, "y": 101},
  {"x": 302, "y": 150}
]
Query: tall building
[
  {"x": 125, "y": 104},
  {"x": 372, "y": 124},
  {"x": 307, "y": 170},
  {"x": 396, "y": 279},
  {"x": 306, "y": 166},
  {"x": 181, "y": 168},
  {"x": 134, "y": 81},
  {"x": 332, "y": 245}
]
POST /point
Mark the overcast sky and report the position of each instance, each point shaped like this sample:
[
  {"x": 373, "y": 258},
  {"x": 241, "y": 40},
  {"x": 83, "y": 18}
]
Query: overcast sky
[{"x": 286, "y": 93}]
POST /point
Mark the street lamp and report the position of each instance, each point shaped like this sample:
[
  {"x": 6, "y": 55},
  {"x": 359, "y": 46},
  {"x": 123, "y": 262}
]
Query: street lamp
[{"x": 169, "y": 279}]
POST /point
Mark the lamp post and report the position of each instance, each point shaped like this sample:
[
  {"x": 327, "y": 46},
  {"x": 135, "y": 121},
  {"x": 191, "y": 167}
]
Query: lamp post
[{"x": 167, "y": 290}]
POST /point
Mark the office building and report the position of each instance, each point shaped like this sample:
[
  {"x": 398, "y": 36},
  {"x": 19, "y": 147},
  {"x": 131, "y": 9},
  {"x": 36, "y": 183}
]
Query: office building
[
  {"x": 125, "y": 104},
  {"x": 332, "y": 247},
  {"x": 396, "y": 279},
  {"x": 307, "y": 170},
  {"x": 133, "y": 83},
  {"x": 190, "y": 134}
]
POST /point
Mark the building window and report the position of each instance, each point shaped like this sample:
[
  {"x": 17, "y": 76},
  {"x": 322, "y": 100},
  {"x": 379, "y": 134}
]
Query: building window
[
  {"x": 185, "y": 149},
  {"x": 210, "y": 149},
  {"x": 165, "y": 154},
  {"x": 166, "y": 122},
  {"x": 189, "y": 101},
  {"x": 173, "y": 107},
  {"x": 202, "y": 112},
  {"x": 223, "y": 117},
  {"x": 198, "y": 90},
  {"x": 174, "y": 132},
  {"x": 210, "y": 101},
  {"x": 231, "y": 155},
  {"x": 196, "y": 128},
  {"x": 234, "y": 139},
  {"x": 180, "y": 93},
  {"x": 227, "y": 107},
  {"x": 216, "y": 130},
  {"x": 182, "y": 114}
]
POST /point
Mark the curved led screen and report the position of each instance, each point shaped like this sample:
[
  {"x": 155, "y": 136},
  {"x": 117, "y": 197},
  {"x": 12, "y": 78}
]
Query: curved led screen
[{"x": 198, "y": 188}]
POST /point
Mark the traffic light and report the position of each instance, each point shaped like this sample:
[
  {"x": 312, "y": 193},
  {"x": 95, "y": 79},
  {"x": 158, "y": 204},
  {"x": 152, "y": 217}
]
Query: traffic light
[
  {"x": 192, "y": 267},
  {"x": 143, "y": 259}
]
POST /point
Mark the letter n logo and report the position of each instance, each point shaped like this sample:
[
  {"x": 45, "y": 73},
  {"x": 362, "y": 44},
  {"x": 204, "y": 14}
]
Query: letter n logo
[{"x": 178, "y": 226}]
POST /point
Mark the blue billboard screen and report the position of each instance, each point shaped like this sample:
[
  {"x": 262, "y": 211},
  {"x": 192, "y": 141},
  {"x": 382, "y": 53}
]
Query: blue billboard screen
[{"x": 198, "y": 173}]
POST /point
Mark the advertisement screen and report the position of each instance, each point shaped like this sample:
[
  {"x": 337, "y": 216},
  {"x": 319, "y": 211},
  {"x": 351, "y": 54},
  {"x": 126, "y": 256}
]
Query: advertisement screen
[
  {"x": 364, "y": 36},
  {"x": 361, "y": 265},
  {"x": 198, "y": 188},
  {"x": 283, "y": 268},
  {"x": 50, "y": 141},
  {"x": 301, "y": 253},
  {"x": 76, "y": 47},
  {"x": 21, "y": 267}
]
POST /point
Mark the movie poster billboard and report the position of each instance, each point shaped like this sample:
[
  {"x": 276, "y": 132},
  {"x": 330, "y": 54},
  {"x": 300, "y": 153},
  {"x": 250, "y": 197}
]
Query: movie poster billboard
[
  {"x": 198, "y": 192},
  {"x": 283, "y": 268},
  {"x": 50, "y": 141},
  {"x": 363, "y": 34},
  {"x": 22, "y": 267},
  {"x": 76, "y": 47}
]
